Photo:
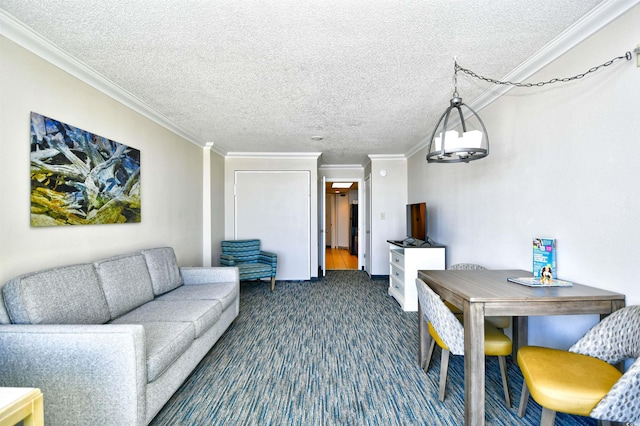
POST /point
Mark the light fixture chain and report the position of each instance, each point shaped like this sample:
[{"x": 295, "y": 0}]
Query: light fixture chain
[
  {"x": 455, "y": 78},
  {"x": 626, "y": 56}
]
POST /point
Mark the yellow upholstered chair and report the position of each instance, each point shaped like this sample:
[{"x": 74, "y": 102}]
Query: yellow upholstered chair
[
  {"x": 499, "y": 322},
  {"x": 582, "y": 380},
  {"x": 448, "y": 333}
]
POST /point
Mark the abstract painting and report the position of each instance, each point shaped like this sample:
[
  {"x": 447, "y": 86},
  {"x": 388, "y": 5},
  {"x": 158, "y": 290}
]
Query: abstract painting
[{"x": 79, "y": 178}]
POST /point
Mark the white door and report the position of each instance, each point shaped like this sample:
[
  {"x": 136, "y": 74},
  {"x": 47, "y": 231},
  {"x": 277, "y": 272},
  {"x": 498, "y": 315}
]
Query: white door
[
  {"x": 322, "y": 220},
  {"x": 367, "y": 224},
  {"x": 274, "y": 206}
]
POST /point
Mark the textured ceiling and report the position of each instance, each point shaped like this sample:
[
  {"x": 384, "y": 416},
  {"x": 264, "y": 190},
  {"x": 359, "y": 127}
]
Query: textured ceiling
[{"x": 368, "y": 76}]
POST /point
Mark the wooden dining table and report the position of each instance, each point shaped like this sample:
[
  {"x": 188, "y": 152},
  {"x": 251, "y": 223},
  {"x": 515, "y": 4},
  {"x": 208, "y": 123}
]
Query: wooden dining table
[{"x": 481, "y": 293}]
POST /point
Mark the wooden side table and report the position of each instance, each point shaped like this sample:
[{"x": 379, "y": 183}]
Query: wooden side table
[{"x": 18, "y": 404}]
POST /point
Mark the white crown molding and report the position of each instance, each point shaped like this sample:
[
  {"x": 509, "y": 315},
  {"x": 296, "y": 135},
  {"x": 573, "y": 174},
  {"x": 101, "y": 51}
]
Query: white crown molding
[
  {"x": 419, "y": 146},
  {"x": 276, "y": 155},
  {"x": 586, "y": 26},
  {"x": 211, "y": 146},
  {"x": 340, "y": 166},
  {"x": 387, "y": 156},
  {"x": 17, "y": 32}
]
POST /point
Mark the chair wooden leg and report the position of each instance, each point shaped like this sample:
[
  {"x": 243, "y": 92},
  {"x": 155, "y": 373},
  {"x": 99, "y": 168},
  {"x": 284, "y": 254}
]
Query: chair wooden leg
[
  {"x": 524, "y": 400},
  {"x": 427, "y": 361},
  {"x": 444, "y": 370},
  {"x": 273, "y": 283},
  {"x": 548, "y": 417},
  {"x": 505, "y": 382}
]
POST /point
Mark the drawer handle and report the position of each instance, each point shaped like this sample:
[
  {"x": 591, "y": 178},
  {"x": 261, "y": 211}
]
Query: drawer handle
[{"x": 397, "y": 274}]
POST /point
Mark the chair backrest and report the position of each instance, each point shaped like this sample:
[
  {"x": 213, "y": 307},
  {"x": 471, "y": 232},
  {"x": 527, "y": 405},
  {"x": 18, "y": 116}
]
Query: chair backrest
[
  {"x": 466, "y": 267},
  {"x": 441, "y": 318},
  {"x": 243, "y": 251},
  {"x": 614, "y": 339}
]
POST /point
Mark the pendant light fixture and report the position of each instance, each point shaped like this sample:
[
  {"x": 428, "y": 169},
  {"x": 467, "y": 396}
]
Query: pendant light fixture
[{"x": 460, "y": 137}]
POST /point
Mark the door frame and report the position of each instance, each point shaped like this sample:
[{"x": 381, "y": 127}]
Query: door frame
[{"x": 361, "y": 244}]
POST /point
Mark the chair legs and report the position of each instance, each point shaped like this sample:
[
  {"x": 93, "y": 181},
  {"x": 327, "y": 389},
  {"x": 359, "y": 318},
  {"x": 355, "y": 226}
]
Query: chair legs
[
  {"x": 505, "y": 382},
  {"x": 444, "y": 370},
  {"x": 273, "y": 283},
  {"x": 524, "y": 400},
  {"x": 548, "y": 417},
  {"x": 432, "y": 347}
]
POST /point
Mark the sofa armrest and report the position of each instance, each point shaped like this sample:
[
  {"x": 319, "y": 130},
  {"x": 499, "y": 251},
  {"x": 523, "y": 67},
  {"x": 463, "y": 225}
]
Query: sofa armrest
[
  {"x": 212, "y": 275},
  {"x": 89, "y": 374}
]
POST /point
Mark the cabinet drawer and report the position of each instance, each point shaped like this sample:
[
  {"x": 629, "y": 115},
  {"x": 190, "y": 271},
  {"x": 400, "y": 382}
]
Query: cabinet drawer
[
  {"x": 397, "y": 285},
  {"x": 397, "y": 273},
  {"x": 397, "y": 259}
]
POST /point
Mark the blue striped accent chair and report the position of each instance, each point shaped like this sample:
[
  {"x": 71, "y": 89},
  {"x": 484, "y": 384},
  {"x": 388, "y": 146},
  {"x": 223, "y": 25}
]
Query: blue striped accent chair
[{"x": 252, "y": 262}]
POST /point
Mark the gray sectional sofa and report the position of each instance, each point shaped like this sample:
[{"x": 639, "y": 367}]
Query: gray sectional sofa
[{"x": 109, "y": 342}]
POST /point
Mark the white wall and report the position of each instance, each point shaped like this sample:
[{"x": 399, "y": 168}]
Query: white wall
[
  {"x": 563, "y": 164},
  {"x": 388, "y": 207},
  {"x": 171, "y": 172}
]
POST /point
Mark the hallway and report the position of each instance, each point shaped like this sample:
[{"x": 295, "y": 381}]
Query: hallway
[{"x": 340, "y": 259}]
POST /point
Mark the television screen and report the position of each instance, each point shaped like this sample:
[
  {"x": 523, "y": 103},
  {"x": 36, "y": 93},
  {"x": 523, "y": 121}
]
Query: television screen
[{"x": 417, "y": 221}]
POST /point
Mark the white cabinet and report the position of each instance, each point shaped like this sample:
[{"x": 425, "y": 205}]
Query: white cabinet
[{"x": 404, "y": 263}]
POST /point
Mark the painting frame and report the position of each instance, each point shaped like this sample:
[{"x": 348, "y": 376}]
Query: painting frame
[{"x": 80, "y": 178}]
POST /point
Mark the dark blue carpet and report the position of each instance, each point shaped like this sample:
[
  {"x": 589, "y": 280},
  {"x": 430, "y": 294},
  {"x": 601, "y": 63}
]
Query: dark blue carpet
[{"x": 338, "y": 351}]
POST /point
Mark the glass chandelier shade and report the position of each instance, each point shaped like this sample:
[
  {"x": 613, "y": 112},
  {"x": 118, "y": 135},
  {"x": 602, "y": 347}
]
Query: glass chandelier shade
[{"x": 458, "y": 138}]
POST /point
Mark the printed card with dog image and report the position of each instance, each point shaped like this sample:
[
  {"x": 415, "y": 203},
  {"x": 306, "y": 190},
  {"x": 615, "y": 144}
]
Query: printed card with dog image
[{"x": 544, "y": 260}]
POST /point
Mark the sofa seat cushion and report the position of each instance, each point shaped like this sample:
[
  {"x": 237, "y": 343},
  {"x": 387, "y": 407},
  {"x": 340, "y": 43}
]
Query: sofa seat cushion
[
  {"x": 126, "y": 282},
  {"x": 226, "y": 293},
  {"x": 250, "y": 271},
  {"x": 163, "y": 269},
  {"x": 202, "y": 313},
  {"x": 63, "y": 295},
  {"x": 165, "y": 342}
]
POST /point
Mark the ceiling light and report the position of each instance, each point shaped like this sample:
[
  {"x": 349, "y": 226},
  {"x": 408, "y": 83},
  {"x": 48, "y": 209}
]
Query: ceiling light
[
  {"x": 461, "y": 138},
  {"x": 343, "y": 185},
  {"x": 464, "y": 138}
]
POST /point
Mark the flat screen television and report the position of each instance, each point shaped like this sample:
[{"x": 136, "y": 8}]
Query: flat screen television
[{"x": 417, "y": 224}]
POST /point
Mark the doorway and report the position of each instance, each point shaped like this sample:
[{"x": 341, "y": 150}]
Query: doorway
[{"x": 341, "y": 215}]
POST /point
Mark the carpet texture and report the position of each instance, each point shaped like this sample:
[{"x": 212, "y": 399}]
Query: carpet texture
[{"x": 338, "y": 351}]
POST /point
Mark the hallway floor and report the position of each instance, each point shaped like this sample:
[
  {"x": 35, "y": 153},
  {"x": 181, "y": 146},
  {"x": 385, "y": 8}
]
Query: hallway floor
[{"x": 340, "y": 259}]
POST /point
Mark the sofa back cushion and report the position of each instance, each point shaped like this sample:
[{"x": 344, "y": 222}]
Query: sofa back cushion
[
  {"x": 125, "y": 281},
  {"x": 163, "y": 269},
  {"x": 62, "y": 295}
]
